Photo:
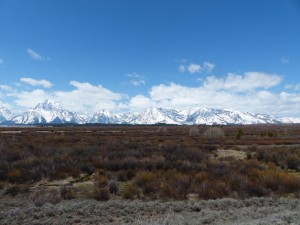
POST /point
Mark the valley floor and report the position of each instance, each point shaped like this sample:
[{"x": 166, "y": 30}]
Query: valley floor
[{"x": 223, "y": 211}]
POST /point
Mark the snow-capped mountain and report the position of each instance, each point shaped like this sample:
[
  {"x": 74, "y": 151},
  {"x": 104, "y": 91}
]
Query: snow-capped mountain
[
  {"x": 220, "y": 116},
  {"x": 5, "y": 114},
  {"x": 289, "y": 120},
  {"x": 105, "y": 117},
  {"x": 156, "y": 115},
  {"x": 52, "y": 113},
  {"x": 47, "y": 112}
]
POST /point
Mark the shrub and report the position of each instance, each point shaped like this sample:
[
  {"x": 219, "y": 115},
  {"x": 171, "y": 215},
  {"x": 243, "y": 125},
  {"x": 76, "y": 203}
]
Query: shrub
[
  {"x": 239, "y": 133},
  {"x": 67, "y": 192},
  {"x": 214, "y": 133},
  {"x": 113, "y": 187},
  {"x": 194, "y": 131},
  {"x": 42, "y": 196},
  {"x": 128, "y": 190},
  {"x": 148, "y": 182},
  {"x": 15, "y": 175},
  {"x": 12, "y": 190},
  {"x": 102, "y": 194},
  {"x": 212, "y": 189}
]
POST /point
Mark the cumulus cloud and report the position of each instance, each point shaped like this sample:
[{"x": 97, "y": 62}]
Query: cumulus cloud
[
  {"x": 181, "y": 68},
  {"x": 209, "y": 66},
  {"x": 140, "y": 102},
  {"x": 295, "y": 87},
  {"x": 34, "y": 55},
  {"x": 137, "y": 82},
  {"x": 248, "y": 92},
  {"x": 137, "y": 79},
  {"x": 194, "y": 68},
  {"x": 206, "y": 67},
  {"x": 84, "y": 98},
  {"x": 33, "y": 82},
  {"x": 6, "y": 87},
  {"x": 239, "y": 83},
  {"x": 251, "y": 91}
]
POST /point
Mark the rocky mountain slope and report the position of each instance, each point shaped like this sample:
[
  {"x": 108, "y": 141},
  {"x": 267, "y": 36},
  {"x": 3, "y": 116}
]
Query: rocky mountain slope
[{"x": 52, "y": 113}]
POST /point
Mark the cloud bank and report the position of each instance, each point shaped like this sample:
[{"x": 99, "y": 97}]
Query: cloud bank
[{"x": 255, "y": 92}]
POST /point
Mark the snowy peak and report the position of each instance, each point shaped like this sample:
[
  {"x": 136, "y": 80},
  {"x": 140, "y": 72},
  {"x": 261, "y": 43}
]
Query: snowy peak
[
  {"x": 289, "y": 120},
  {"x": 156, "y": 115},
  {"x": 211, "y": 116},
  {"x": 47, "y": 112},
  {"x": 5, "y": 114},
  {"x": 105, "y": 117},
  {"x": 53, "y": 113},
  {"x": 48, "y": 106}
]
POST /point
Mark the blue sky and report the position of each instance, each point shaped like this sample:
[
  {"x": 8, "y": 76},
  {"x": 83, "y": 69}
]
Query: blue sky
[{"x": 130, "y": 55}]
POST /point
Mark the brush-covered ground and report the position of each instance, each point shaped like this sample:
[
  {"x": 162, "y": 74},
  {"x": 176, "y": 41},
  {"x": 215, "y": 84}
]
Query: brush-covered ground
[
  {"x": 150, "y": 175},
  {"x": 262, "y": 211}
]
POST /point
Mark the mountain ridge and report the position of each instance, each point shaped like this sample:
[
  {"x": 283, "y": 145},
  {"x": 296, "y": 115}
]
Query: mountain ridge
[{"x": 49, "y": 112}]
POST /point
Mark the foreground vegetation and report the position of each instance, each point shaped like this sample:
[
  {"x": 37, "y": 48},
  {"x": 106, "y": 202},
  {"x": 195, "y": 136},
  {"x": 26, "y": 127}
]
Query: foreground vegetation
[{"x": 150, "y": 162}]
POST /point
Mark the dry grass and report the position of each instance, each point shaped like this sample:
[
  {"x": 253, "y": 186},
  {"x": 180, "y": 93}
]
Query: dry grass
[{"x": 229, "y": 153}]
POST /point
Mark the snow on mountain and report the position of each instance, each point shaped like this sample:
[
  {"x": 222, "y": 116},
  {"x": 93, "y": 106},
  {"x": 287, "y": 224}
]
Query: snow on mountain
[
  {"x": 289, "y": 120},
  {"x": 105, "y": 117},
  {"x": 5, "y": 114},
  {"x": 51, "y": 112},
  {"x": 47, "y": 112},
  {"x": 156, "y": 115},
  {"x": 127, "y": 117},
  {"x": 220, "y": 116}
]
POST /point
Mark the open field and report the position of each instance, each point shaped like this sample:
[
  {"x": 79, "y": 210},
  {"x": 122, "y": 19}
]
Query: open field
[{"x": 137, "y": 166}]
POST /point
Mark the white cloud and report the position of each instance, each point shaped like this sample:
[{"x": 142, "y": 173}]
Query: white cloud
[
  {"x": 34, "y": 55},
  {"x": 251, "y": 91},
  {"x": 181, "y": 68},
  {"x": 209, "y": 66},
  {"x": 295, "y": 87},
  {"x": 139, "y": 103},
  {"x": 29, "y": 99},
  {"x": 84, "y": 98},
  {"x": 239, "y": 83},
  {"x": 6, "y": 87},
  {"x": 33, "y": 82},
  {"x": 87, "y": 96},
  {"x": 194, "y": 68},
  {"x": 284, "y": 60},
  {"x": 1, "y": 61},
  {"x": 137, "y": 80},
  {"x": 248, "y": 92}
]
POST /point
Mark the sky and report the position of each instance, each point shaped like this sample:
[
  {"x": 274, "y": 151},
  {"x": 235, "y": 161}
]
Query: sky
[{"x": 129, "y": 55}]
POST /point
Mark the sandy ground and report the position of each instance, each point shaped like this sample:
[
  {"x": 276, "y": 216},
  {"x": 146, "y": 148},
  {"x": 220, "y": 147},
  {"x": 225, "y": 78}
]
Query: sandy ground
[{"x": 223, "y": 211}]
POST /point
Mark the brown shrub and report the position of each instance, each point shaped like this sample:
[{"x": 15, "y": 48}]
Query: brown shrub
[
  {"x": 41, "y": 197},
  {"x": 213, "y": 189},
  {"x": 102, "y": 194},
  {"x": 12, "y": 190},
  {"x": 113, "y": 187},
  {"x": 214, "y": 133},
  {"x": 15, "y": 175},
  {"x": 67, "y": 192},
  {"x": 128, "y": 190}
]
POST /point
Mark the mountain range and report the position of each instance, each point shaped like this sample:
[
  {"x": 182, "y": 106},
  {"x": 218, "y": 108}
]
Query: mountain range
[{"x": 50, "y": 112}]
